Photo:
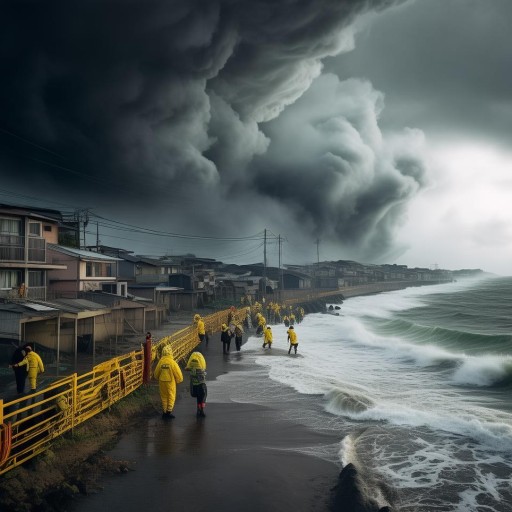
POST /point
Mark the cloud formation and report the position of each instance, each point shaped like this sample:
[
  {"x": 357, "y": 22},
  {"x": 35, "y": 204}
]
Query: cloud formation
[{"x": 205, "y": 103}]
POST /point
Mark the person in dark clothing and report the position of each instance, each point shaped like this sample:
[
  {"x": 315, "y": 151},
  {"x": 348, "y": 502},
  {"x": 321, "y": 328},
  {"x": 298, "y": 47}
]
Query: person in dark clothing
[
  {"x": 225, "y": 337},
  {"x": 197, "y": 367},
  {"x": 20, "y": 372},
  {"x": 239, "y": 332}
]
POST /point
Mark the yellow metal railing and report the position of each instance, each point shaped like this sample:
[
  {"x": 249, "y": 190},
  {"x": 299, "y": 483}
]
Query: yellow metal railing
[{"x": 29, "y": 424}]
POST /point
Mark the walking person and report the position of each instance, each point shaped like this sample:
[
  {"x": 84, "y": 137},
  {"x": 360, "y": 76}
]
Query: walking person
[
  {"x": 239, "y": 333},
  {"x": 292, "y": 338},
  {"x": 34, "y": 365},
  {"x": 201, "y": 329},
  {"x": 261, "y": 324},
  {"x": 267, "y": 337},
  {"x": 225, "y": 337},
  {"x": 20, "y": 373},
  {"x": 146, "y": 350},
  {"x": 197, "y": 366},
  {"x": 168, "y": 374}
]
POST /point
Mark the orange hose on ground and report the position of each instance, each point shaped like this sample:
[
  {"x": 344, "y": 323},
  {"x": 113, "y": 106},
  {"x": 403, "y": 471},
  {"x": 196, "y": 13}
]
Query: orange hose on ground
[{"x": 5, "y": 442}]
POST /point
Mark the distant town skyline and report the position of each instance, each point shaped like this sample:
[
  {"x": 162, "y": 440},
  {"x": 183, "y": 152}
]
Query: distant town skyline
[{"x": 370, "y": 131}]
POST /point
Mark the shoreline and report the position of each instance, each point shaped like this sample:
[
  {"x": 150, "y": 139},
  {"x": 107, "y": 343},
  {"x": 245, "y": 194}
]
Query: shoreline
[
  {"x": 326, "y": 488},
  {"x": 241, "y": 456}
]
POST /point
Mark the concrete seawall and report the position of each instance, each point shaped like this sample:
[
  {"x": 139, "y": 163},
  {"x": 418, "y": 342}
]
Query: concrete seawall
[
  {"x": 315, "y": 303},
  {"x": 367, "y": 289}
]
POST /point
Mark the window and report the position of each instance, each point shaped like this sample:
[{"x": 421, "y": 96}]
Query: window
[
  {"x": 10, "y": 278},
  {"x": 36, "y": 278},
  {"x": 34, "y": 228},
  {"x": 93, "y": 269},
  {"x": 47, "y": 228},
  {"x": 10, "y": 226}
]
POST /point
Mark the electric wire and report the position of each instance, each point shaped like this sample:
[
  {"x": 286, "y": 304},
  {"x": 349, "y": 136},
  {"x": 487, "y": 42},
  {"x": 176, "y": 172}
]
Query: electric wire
[
  {"x": 10, "y": 194},
  {"x": 123, "y": 226}
]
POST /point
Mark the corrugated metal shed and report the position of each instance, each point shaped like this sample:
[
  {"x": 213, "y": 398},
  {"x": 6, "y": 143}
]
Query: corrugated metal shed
[{"x": 75, "y": 305}]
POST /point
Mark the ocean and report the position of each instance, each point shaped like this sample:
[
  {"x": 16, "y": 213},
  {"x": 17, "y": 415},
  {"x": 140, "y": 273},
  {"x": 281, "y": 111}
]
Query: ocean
[{"x": 415, "y": 383}]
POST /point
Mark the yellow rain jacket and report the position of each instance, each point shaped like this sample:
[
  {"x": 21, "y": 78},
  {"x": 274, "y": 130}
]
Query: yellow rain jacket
[
  {"x": 34, "y": 367},
  {"x": 267, "y": 334},
  {"x": 292, "y": 336},
  {"x": 169, "y": 374}
]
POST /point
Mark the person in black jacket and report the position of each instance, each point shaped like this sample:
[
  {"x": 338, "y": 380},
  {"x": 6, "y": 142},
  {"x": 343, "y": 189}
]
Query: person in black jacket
[{"x": 20, "y": 372}]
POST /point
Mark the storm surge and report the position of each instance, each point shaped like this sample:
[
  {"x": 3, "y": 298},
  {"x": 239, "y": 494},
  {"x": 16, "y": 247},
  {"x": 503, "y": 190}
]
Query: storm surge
[{"x": 422, "y": 398}]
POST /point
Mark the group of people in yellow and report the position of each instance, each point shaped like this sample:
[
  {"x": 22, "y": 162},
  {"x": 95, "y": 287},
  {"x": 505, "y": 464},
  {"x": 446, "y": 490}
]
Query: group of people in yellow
[
  {"x": 266, "y": 331},
  {"x": 268, "y": 338},
  {"x": 277, "y": 313},
  {"x": 169, "y": 374}
]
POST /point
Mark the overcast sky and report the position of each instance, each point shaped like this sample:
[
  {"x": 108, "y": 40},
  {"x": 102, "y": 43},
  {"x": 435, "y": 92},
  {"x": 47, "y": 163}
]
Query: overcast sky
[{"x": 378, "y": 131}]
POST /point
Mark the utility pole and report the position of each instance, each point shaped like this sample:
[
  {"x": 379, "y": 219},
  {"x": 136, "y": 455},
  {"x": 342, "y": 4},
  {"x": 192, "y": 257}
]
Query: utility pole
[
  {"x": 265, "y": 264},
  {"x": 77, "y": 228},
  {"x": 281, "y": 283},
  {"x": 317, "y": 280},
  {"x": 86, "y": 221}
]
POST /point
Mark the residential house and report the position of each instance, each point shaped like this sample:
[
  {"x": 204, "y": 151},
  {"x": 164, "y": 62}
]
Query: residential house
[
  {"x": 85, "y": 271},
  {"x": 25, "y": 235}
]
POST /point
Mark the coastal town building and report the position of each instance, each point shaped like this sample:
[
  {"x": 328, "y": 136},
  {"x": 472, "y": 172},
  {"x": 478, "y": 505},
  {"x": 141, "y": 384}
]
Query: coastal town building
[
  {"x": 64, "y": 299},
  {"x": 25, "y": 234},
  {"x": 85, "y": 271}
]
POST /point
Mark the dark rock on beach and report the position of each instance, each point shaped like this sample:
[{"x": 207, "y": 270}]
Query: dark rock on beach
[{"x": 350, "y": 495}]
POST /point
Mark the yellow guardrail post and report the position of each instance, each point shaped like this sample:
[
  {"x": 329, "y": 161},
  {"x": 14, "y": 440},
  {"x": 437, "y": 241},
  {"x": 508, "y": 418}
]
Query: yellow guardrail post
[
  {"x": 1, "y": 411},
  {"x": 74, "y": 401}
]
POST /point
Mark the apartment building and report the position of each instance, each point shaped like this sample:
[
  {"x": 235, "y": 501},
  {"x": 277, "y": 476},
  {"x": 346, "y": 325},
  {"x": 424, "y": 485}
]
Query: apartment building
[{"x": 24, "y": 259}]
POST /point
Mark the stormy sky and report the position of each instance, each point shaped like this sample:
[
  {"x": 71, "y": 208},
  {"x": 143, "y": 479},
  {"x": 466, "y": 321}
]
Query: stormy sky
[{"x": 374, "y": 130}]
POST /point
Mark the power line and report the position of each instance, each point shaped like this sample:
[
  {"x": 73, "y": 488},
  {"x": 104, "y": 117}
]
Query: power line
[
  {"x": 10, "y": 194},
  {"x": 123, "y": 226},
  {"x": 26, "y": 141}
]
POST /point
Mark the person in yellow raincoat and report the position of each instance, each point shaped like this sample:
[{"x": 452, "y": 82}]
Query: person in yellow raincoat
[
  {"x": 34, "y": 365},
  {"x": 197, "y": 366},
  {"x": 292, "y": 338},
  {"x": 201, "y": 329},
  {"x": 168, "y": 374},
  {"x": 267, "y": 337},
  {"x": 261, "y": 324}
]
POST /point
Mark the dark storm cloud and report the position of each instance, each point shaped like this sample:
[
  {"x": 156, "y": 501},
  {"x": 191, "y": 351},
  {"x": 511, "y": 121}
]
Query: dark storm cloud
[
  {"x": 329, "y": 163},
  {"x": 443, "y": 64},
  {"x": 196, "y": 103}
]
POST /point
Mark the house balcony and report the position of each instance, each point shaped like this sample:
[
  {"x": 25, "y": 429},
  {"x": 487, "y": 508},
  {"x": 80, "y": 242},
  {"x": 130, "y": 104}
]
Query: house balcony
[
  {"x": 13, "y": 249},
  {"x": 31, "y": 293}
]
